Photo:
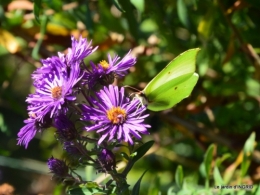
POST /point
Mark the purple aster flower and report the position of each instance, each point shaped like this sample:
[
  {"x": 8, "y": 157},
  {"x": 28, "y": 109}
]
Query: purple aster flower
[
  {"x": 107, "y": 160},
  {"x": 54, "y": 94},
  {"x": 50, "y": 67},
  {"x": 105, "y": 72},
  {"x": 79, "y": 50},
  {"x": 27, "y": 133},
  {"x": 58, "y": 167},
  {"x": 116, "y": 116}
]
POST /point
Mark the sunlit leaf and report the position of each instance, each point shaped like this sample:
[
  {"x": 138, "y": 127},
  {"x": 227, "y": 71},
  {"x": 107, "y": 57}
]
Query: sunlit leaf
[
  {"x": 8, "y": 41},
  {"x": 148, "y": 25},
  {"x": 182, "y": 12},
  {"x": 86, "y": 189},
  {"x": 3, "y": 127},
  {"x": 57, "y": 29},
  {"x": 171, "y": 191},
  {"x": 247, "y": 152},
  {"x": 217, "y": 176},
  {"x": 54, "y": 4},
  {"x": 208, "y": 159},
  {"x": 139, "y": 4},
  {"x": 205, "y": 25},
  {"x": 222, "y": 158},
  {"x": 136, "y": 187},
  {"x": 253, "y": 87},
  {"x": 257, "y": 191},
  {"x": 124, "y": 155},
  {"x": 231, "y": 169},
  {"x": 179, "y": 176},
  {"x": 142, "y": 150}
]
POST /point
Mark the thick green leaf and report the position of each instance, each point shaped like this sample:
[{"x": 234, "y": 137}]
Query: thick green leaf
[
  {"x": 190, "y": 181},
  {"x": 253, "y": 87},
  {"x": 139, "y": 4},
  {"x": 182, "y": 12},
  {"x": 202, "y": 169},
  {"x": 85, "y": 190},
  {"x": 257, "y": 190},
  {"x": 171, "y": 191},
  {"x": 37, "y": 7},
  {"x": 241, "y": 192},
  {"x": 222, "y": 158},
  {"x": 184, "y": 192},
  {"x": 124, "y": 155},
  {"x": 58, "y": 189},
  {"x": 203, "y": 191},
  {"x": 132, "y": 23},
  {"x": 250, "y": 144},
  {"x": 142, "y": 150},
  {"x": 137, "y": 155},
  {"x": 247, "y": 153},
  {"x": 217, "y": 177},
  {"x": 148, "y": 26},
  {"x": 54, "y": 4},
  {"x": 136, "y": 187},
  {"x": 179, "y": 176},
  {"x": 208, "y": 159}
]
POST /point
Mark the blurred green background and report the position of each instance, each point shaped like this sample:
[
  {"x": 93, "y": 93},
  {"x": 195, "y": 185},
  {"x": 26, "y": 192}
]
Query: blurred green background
[{"x": 223, "y": 108}]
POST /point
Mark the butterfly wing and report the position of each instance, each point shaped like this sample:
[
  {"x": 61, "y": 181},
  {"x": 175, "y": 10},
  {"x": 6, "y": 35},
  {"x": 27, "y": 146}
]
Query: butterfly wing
[
  {"x": 162, "y": 91},
  {"x": 165, "y": 99}
]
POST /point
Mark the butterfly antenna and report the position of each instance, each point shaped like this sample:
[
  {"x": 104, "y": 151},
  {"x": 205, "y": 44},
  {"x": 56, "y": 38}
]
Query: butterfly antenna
[{"x": 127, "y": 86}]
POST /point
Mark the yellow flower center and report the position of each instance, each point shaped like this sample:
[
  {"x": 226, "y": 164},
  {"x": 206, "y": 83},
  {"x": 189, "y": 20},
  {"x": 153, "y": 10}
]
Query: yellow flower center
[
  {"x": 56, "y": 92},
  {"x": 116, "y": 115},
  {"x": 104, "y": 64}
]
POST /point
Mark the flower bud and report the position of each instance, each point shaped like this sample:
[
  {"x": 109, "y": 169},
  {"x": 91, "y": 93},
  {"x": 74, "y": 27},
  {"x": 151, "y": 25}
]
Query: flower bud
[
  {"x": 66, "y": 130},
  {"x": 71, "y": 149},
  {"x": 107, "y": 160},
  {"x": 58, "y": 167}
]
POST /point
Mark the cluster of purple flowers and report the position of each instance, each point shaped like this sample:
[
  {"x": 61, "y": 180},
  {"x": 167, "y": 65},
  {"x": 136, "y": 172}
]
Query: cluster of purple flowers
[{"x": 109, "y": 112}]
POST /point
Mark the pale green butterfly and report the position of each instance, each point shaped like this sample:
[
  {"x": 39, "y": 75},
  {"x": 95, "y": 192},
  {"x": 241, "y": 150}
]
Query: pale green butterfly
[{"x": 174, "y": 83}]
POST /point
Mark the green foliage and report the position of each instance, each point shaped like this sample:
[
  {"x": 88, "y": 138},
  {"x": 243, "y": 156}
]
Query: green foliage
[
  {"x": 136, "y": 187},
  {"x": 37, "y": 9},
  {"x": 179, "y": 176},
  {"x": 247, "y": 153},
  {"x": 87, "y": 189},
  {"x": 142, "y": 150},
  {"x": 214, "y": 177}
]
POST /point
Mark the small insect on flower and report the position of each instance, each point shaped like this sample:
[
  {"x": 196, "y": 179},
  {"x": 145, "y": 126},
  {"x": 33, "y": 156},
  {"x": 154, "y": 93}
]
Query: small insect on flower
[{"x": 115, "y": 116}]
